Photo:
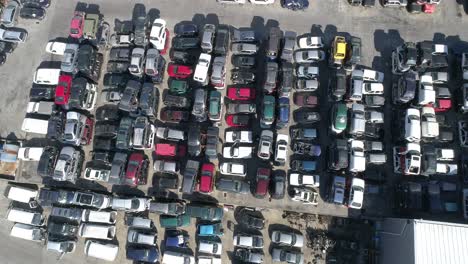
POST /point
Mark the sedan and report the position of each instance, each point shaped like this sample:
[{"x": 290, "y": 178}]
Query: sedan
[
  {"x": 310, "y": 42},
  {"x": 158, "y": 34},
  {"x": 305, "y": 99},
  {"x": 287, "y": 239},
  {"x": 287, "y": 256},
  {"x": 174, "y": 116},
  {"x": 238, "y": 120},
  {"x": 243, "y": 93},
  {"x": 242, "y": 77},
  {"x": 179, "y": 71},
  {"x": 252, "y": 221},
  {"x": 186, "y": 30},
  {"x": 241, "y": 61},
  {"x": 32, "y": 12},
  {"x": 309, "y": 56},
  {"x": 306, "y": 117}
]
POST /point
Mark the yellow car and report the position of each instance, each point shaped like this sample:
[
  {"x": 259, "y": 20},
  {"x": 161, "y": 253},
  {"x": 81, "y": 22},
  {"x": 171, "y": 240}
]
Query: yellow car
[{"x": 339, "y": 48}]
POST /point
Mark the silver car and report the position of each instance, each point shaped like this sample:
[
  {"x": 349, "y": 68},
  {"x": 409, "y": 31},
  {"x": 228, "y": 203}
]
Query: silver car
[
  {"x": 308, "y": 56},
  {"x": 244, "y": 49},
  {"x": 289, "y": 43},
  {"x": 10, "y": 35},
  {"x": 219, "y": 72},
  {"x": 10, "y": 14},
  {"x": 136, "y": 61},
  {"x": 69, "y": 59},
  {"x": 199, "y": 105}
]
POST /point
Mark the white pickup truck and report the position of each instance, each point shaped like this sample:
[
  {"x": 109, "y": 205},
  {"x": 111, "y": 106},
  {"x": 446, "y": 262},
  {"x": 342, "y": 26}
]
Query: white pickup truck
[{"x": 42, "y": 108}]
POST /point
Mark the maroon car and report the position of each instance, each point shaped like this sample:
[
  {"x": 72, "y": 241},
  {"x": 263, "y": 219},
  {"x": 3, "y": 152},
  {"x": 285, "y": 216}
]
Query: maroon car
[
  {"x": 263, "y": 181},
  {"x": 137, "y": 169},
  {"x": 305, "y": 99},
  {"x": 174, "y": 116}
]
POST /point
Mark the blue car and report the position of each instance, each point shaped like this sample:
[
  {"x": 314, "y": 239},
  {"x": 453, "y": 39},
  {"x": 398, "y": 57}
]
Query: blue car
[
  {"x": 295, "y": 4},
  {"x": 304, "y": 165},
  {"x": 179, "y": 241},
  {"x": 149, "y": 255},
  {"x": 282, "y": 119},
  {"x": 210, "y": 230}
]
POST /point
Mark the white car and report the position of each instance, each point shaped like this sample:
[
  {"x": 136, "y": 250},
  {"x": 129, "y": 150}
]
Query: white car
[
  {"x": 237, "y": 152},
  {"x": 141, "y": 238},
  {"x": 240, "y": 2},
  {"x": 281, "y": 151},
  {"x": 93, "y": 174},
  {"x": 262, "y": 2},
  {"x": 306, "y": 196},
  {"x": 30, "y": 153},
  {"x": 412, "y": 125},
  {"x": 447, "y": 168},
  {"x": 241, "y": 136},
  {"x": 357, "y": 158},
  {"x": 429, "y": 124},
  {"x": 233, "y": 168},
  {"x": 296, "y": 179},
  {"x": 130, "y": 204},
  {"x": 309, "y": 56},
  {"x": 56, "y": 47},
  {"x": 201, "y": 70},
  {"x": 210, "y": 247},
  {"x": 248, "y": 241},
  {"x": 265, "y": 145},
  {"x": 310, "y": 42},
  {"x": 158, "y": 34},
  {"x": 356, "y": 193}
]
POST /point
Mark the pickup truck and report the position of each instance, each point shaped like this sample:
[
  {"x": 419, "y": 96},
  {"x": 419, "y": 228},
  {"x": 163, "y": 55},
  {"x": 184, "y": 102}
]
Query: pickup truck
[
  {"x": 241, "y": 136},
  {"x": 42, "y": 108},
  {"x": 303, "y": 133}
]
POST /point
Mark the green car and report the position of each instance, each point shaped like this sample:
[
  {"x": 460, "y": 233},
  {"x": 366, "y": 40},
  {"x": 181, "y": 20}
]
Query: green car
[
  {"x": 215, "y": 106},
  {"x": 339, "y": 118},
  {"x": 268, "y": 111},
  {"x": 178, "y": 87},
  {"x": 169, "y": 221}
]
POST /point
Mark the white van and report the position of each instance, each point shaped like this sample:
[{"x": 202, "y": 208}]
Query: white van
[
  {"x": 47, "y": 76},
  {"x": 25, "y": 217},
  {"x": 233, "y": 168},
  {"x": 31, "y": 154},
  {"x": 20, "y": 194},
  {"x": 99, "y": 216},
  {"x": 33, "y": 125},
  {"x": 171, "y": 257},
  {"x": 101, "y": 250},
  {"x": 97, "y": 231},
  {"x": 27, "y": 232}
]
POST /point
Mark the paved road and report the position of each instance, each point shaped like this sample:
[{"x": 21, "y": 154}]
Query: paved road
[{"x": 380, "y": 29}]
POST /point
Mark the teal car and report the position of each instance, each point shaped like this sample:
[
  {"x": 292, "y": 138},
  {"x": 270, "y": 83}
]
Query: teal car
[
  {"x": 169, "y": 221},
  {"x": 339, "y": 118},
  {"x": 178, "y": 87},
  {"x": 215, "y": 106},
  {"x": 268, "y": 111}
]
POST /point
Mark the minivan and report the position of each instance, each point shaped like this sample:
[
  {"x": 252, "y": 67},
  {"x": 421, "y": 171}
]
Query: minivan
[
  {"x": 97, "y": 231},
  {"x": 27, "y": 232},
  {"x": 20, "y": 194},
  {"x": 25, "y": 217},
  {"x": 222, "y": 40},
  {"x": 273, "y": 44},
  {"x": 208, "y": 37},
  {"x": 99, "y": 216},
  {"x": 33, "y": 125}
]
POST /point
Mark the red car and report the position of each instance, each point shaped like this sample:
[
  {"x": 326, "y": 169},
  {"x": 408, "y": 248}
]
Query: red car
[
  {"x": 179, "y": 71},
  {"x": 77, "y": 24},
  {"x": 305, "y": 99},
  {"x": 88, "y": 131},
  {"x": 63, "y": 90},
  {"x": 263, "y": 181},
  {"x": 207, "y": 178},
  {"x": 170, "y": 150},
  {"x": 429, "y": 8},
  {"x": 174, "y": 116},
  {"x": 238, "y": 120},
  {"x": 443, "y": 101},
  {"x": 137, "y": 169},
  {"x": 242, "y": 93}
]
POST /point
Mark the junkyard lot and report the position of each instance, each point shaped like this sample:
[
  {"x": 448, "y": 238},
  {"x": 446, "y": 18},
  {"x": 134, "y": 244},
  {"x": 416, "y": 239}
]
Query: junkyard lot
[{"x": 380, "y": 30}]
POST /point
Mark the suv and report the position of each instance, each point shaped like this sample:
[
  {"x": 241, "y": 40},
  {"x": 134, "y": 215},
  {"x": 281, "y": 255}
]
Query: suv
[
  {"x": 139, "y": 27},
  {"x": 68, "y": 166},
  {"x": 89, "y": 62},
  {"x": 207, "y": 38},
  {"x": 273, "y": 43},
  {"x": 124, "y": 139},
  {"x": 45, "y": 167},
  {"x": 143, "y": 133},
  {"x": 129, "y": 101},
  {"x": 78, "y": 129},
  {"x": 154, "y": 66},
  {"x": 83, "y": 94},
  {"x": 137, "y": 169},
  {"x": 222, "y": 41},
  {"x": 199, "y": 105},
  {"x": 136, "y": 62}
]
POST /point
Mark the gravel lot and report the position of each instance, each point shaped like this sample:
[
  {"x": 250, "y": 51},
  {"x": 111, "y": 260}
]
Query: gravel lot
[{"x": 380, "y": 30}]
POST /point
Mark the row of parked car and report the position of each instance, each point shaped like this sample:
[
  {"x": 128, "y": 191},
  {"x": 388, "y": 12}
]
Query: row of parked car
[
  {"x": 412, "y": 6},
  {"x": 294, "y": 5}
]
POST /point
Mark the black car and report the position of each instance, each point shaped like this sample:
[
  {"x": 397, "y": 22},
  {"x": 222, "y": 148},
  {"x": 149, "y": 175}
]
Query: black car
[
  {"x": 32, "y": 12},
  {"x": 102, "y": 157},
  {"x": 117, "y": 66},
  {"x": 105, "y": 129},
  {"x": 295, "y": 4},
  {"x": 242, "y": 76},
  {"x": 306, "y": 117},
  {"x": 149, "y": 99},
  {"x": 42, "y": 92},
  {"x": 409, "y": 197},
  {"x": 40, "y": 3},
  {"x": 7, "y": 47},
  {"x": 80, "y": 94},
  {"x": 186, "y": 30},
  {"x": 414, "y": 8},
  {"x": 242, "y": 61},
  {"x": 2, "y": 58},
  {"x": 338, "y": 155},
  {"x": 56, "y": 126},
  {"x": 143, "y": 254},
  {"x": 404, "y": 89},
  {"x": 115, "y": 81},
  {"x": 176, "y": 101},
  {"x": 373, "y": 131},
  {"x": 278, "y": 184},
  {"x": 139, "y": 26},
  {"x": 248, "y": 256},
  {"x": 193, "y": 141},
  {"x": 107, "y": 113},
  {"x": 338, "y": 84},
  {"x": 105, "y": 144},
  {"x": 222, "y": 40},
  {"x": 373, "y": 101},
  {"x": 183, "y": 57},
  {"x": 61, "y": 229},
  {"x": 250, "y": 220},
  {"x": 286, "y": 78},
  {"x": 185, "y": 43},
  {"x": 159, "y": 76},
  {"x": 354, "y": 54},
  {"x": 212, "y": 141},
  {"x": 120, "y": 54},
  {"x": 46, "y": 165}
]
